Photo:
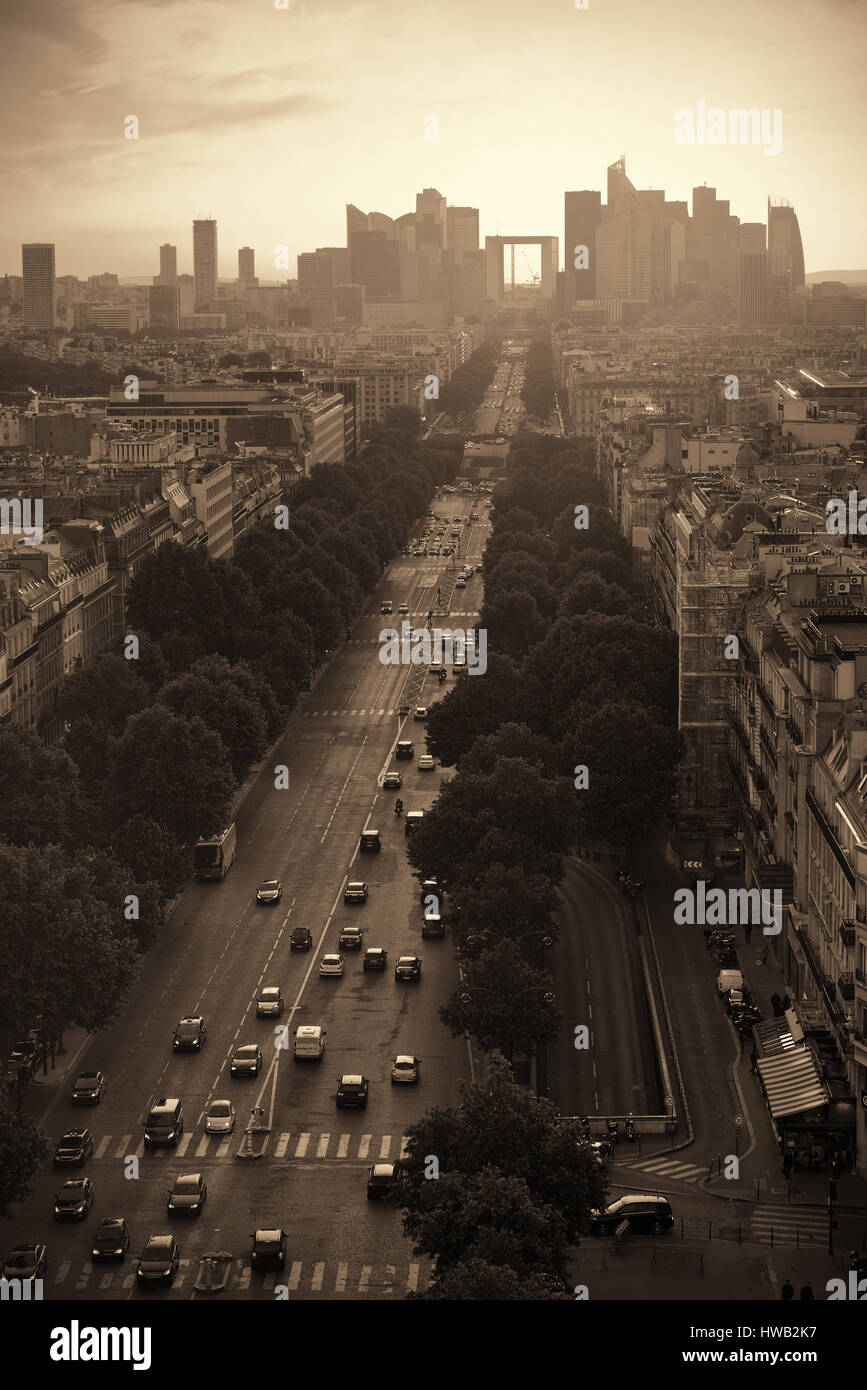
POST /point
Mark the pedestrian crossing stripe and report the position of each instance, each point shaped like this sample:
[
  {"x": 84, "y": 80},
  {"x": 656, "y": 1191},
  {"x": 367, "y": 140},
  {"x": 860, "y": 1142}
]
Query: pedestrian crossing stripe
[
  {"x": 316, "y": 1276},
  {"x": 788, "y": 1225},
  {"x": 671, "y": 1168},
  {"x": 289, "y": 1144}
]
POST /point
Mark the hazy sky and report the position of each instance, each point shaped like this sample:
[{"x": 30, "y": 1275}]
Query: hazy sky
[{"x": 272, "y": 120}]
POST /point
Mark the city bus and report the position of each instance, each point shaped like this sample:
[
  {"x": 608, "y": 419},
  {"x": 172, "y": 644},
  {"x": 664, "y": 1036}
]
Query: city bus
[{"x": 213, "y": 854}]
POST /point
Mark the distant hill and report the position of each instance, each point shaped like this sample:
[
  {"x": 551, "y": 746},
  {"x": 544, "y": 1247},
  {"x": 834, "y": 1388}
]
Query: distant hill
[{"x": 849, "y": 277}]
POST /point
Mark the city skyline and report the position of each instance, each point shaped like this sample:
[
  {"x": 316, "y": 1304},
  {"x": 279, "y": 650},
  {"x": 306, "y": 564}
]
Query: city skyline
[{"x": 275, "y": 149}]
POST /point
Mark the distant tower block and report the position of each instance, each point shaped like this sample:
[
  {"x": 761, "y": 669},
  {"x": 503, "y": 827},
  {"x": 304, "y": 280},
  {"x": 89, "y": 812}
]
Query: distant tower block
[{"x": 494, "y": 246}]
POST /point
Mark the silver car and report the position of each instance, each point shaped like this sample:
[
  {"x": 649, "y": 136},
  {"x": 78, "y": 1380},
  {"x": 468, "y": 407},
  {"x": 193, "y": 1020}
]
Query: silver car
[{"x": 220, "y": 1117}]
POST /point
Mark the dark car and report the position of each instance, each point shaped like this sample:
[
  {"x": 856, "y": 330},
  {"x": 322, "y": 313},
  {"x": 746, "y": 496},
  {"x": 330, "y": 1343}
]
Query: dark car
[
  {"x": 375, "y": 958},
  {"x": 270, "y": 891},
  {"x": 429, "y": 888},
  {"x": 432, "y": 925},
  {"x": 382, "y": 1178},
  {"x": 269, "y": 1248},
  {"x": 89, "y": 1088},
  {"x": 246, "y": 1060},
  {"x": 190, "y": 1034},
  {"x": 352, "y": 1091},
  {"x": 412, "y": 822},
  {"x": 73, "y": 1148},
  {"x": 645, "y": 1214},
  {"x": 26, "y": 1262},
  {"x": 74, "y": 1200},
  {"x": 158, "y": 1261},
  {"x": 404, "y": 748},
  {"x": 111, "y": 1241},
  {"x": 300, "y": 940},
  {"x": 370, "y": 841},
  {"x": 408, "y": 968},
  {"x": 188, "y": 1195},
  {"x": 392, "y": 781},
  {"x": 355, "y": 891},
  {"x": 24, "y": 1057},
  {"x": 270, "y": 1002},
  {"x": 351, "y": 938}
]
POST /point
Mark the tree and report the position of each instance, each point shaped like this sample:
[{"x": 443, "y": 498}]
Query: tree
[
  {"x": 631, "y": 757},
  {"x": 152, "y": 854},
  {"x": 504, "y": 904},
  {"x": 512, "y": 620},
  {"x": 40, "y": 798},
  {"x": 590, "y": 593},
  {"x": 66, "y": 957},
  {"x": 209, "y": 692},
  {"x": 513, "y": 741},
  {"x": 475, "y": 705},
  {"x": 474, "y": 1279},
  {"x": 500, "y": 1124},
  {"x": 23, "y": 1151},
  {"x": 107, "y": 691},
  {"x": 173, "y": 770},
  {"x": 488, "y": 1216},
  {"x": 504, "y": 1003}
]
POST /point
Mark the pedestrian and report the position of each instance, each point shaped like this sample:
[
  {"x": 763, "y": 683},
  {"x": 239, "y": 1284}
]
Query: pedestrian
[
  {"x": 748, "y": 931},
  {"x": 787, "y": 1166},
  {"x": 764, "y": 956},
  {"x": 806, "y": 1294},
  {"x": 787, "y": 1292}
]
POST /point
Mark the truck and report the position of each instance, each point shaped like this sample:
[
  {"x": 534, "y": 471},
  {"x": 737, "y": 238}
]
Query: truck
[{"x": 213, "y": 854}]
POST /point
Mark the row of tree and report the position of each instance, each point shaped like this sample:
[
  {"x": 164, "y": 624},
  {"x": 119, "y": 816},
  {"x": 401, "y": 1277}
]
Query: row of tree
[
  {"x": 465, "y": 389},
  {"x": 539, "y": 384}
]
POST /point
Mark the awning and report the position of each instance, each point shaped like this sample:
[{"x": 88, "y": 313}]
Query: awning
[
  {"x": 777, "y": 876},
  {"x": 792, "y": 1082},
  {"x": 778, "y": 1035}
]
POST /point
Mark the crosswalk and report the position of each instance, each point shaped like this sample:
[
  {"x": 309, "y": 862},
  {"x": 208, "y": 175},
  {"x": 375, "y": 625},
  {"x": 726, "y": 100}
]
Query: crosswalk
[
  {"x": 669, "y": 1168},
  {"x": 288, "y": 1145},
  {"x": 778, "y": 1223},
  {"x": 298, "y": 1276}
]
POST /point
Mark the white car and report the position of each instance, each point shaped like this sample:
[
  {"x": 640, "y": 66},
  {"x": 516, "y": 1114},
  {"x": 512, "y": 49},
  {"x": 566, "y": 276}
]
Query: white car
[
  {"x": 220, "y": 1117},
  {"x": 331, "y": 965},
  {"x": 405, "y": 1069},
  {"x": 426, "y": 763},
  {"x": 420, "y": 712}
]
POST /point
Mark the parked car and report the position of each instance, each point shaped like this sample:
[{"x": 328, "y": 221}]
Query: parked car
[
  {"x": 89, "y": 1088},
  {"x": 270, "y": 891},
  {"x": 111, "y": 1241},
  {"x": 300, "y": 940},
  {"x": 23, "y": 1058}
]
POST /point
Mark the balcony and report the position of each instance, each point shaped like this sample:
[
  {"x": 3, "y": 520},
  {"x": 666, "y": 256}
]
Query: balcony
[
  {"x": 847, "y": 932},
  {"x": 846, "y": 985}
]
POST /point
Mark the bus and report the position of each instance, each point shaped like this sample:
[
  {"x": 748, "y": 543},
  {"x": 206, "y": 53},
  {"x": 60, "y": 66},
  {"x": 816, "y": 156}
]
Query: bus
[{"x": 213, "y": 854}]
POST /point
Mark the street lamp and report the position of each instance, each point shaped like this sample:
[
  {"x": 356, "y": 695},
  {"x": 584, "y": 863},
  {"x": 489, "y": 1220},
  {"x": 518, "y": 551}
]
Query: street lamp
[{"x": 465, "y": 996}]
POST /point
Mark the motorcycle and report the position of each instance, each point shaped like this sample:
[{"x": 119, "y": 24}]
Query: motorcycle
[
  {"x": 634, "y": 886},
  {"x": 398, "y": 808},
  {"x": 629, "y": 1130},
  {"x": 613, "y": 1131},
  {"x": 442, "y": 677}
]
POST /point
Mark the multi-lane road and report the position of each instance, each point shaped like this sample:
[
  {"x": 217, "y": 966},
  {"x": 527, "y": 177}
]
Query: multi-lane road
[{"x": 219, "y": 948}]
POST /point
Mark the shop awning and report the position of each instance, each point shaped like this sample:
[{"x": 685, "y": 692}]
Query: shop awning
[
  {"x": 771, "y": 877},
  {"x": 778, "y": 1035},
  {"x": 792, "y": 1082}
]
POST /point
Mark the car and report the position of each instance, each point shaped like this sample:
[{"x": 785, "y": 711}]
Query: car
[
  {"x": 402, "y": 710},
  {"x": 355, "y": 891},
  {"x": 643, "y": 1211},
  {"x": 403, "y": 748},
  {"x": 434, "y": 550},
  {"x": 23, "y": 1058},
  {"x": 429, "y": 888},
  {"x": 26, "y": 1261},
  {"x": 407, "y": 968},
  {"x": 386, "y": 606},
  {"x": 432, "y": 925},
  {"x": 188, "y": 1195},
  {"x": 370, "y": 842},
  {"x": 729, "y": 979},
  {"x": 269, "y": 1248},
  {"x": 246, "y": 1060},
  {"x": 426, "y": 763},
  {"x": 352, "y": 1091},
  {"x": 111, "y": 1241},
  {"x": 74, "y": 1200},
  {"x": 460, "y": 583},
  {"x": 405, "y": 1068},
  {"x": 479, "y": 569},
  {"x": 403, "y": 608},
  {"x": 190, "y": 1034},
  {"x": 331, "y": 965},
  {"x": 412, "y": 821},
  {"x": 382, "y": 1178},
  {"x": 420, "y": 712},
  {"x": 351, "y": 938},
  {"x": 270, "y": 891},
  {"x": 375, "y": 958},
  {"x": 435, "y": 666},
  {"x": 220, "y": 1117},
  {"x": 73, "y": 1148},
  {"x": 392, "y": 781},
  {"x": 270, "y": 1002},
  {"x": 89, "y": 1088},
  {"x": 158, "y": 1261},
  {"x": 300, "y": 940}
]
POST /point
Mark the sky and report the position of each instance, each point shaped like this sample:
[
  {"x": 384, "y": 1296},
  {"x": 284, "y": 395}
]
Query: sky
[{"x": 271, "y": 120}]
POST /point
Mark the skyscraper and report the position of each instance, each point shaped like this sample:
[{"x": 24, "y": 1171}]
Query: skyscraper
[
  {"x": 752, "y": 275},
  {"x": 205, "y": 260},
  {"x": 247, "y": 266},
  {"x": 462, "y": 231},
  {"x": 164, "y": 306},
  {"x": 40, "y": 295},
  {"x": 583, "y": 214},
  {"x": 168, "y": 265},
  {"x": 623, "y": 241},
  {"x": 785, "y": 250}
]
